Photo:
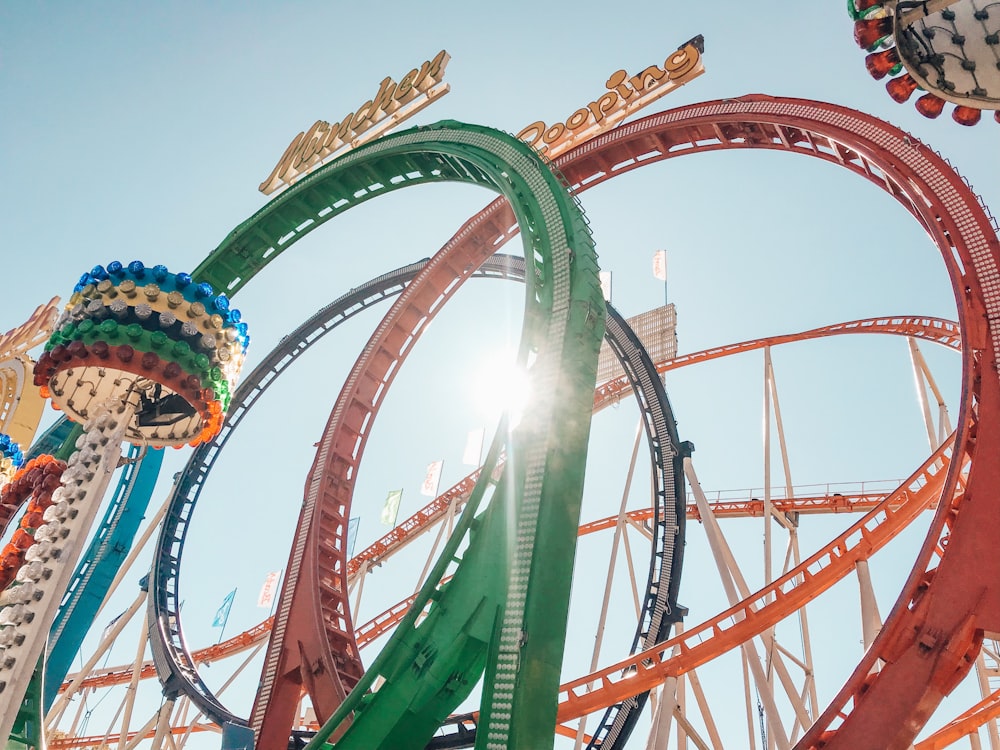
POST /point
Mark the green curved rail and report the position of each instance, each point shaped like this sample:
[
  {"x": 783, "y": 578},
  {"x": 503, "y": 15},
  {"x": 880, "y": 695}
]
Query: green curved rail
[{"x": 505, "y": 608}]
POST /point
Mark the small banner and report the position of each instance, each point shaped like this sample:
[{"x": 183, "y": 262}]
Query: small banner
[
  {"x": 111, "y": 626},
  {"x": 660, "y": 265},
  {"x": 473, "y": 453},
  {"x": 605, "y": 277},
  {"x": 433, "y": 478},
  {"x": 222, "y": 616},
  {"x": 391, "y": 507},
  {"x": 268, "y": 590}
]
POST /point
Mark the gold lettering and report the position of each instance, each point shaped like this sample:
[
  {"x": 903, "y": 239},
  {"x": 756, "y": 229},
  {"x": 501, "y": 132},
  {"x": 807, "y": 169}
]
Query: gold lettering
[
  {"x": 418, "y": 82},
  {"x": 359, "y": 118},
  {"x": 338, "y": 133},
  {"x": 430, "y": 71},
  {"x": 268, "y": 185},
  {"x": 295, "y": 162},
  {"x": 617, "y": 82},
  {"x": 682, "y": 62},
  {"x": 404, "y": 90},
  {"x": 436, "y": 67},
  {"x": 578, "y": 119},
  {"x": 646, "y": 79},
  {"x": 383, "y": 101},
  {"x": 603, "y": 105},
  {"x": 554, "y": 133},
  {"x": 336, "y": 136},
  {"x": 533, "y": 132},
  {"x": 321, "y": 150},
  {"x": 322, "y": 139},
  {"x": 314, "y": 137},
  {"x": 344, "y": 128},
  {"x": 26, "y": 336},
  {"x": 625, "y": 95}
]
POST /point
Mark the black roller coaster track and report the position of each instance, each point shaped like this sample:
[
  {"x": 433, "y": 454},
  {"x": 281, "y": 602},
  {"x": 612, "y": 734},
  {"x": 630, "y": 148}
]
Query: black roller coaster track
[{"x": 176, "y": 667}]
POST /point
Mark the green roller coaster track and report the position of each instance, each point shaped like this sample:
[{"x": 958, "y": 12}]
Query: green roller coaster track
[{"x": 504, "y": 610}]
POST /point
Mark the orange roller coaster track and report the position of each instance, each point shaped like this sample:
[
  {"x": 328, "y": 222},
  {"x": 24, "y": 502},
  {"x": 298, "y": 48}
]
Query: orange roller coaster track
[
  {"x": 935, "y": 330},
  {"x": 933, "y": 634},
  {"x": 769, "y": 605},
  {"x": 848, "y": 500},
  {"x": 935, "y": 629}
]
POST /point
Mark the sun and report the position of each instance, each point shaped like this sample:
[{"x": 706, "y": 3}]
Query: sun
[{"x": 500, "y": 384}]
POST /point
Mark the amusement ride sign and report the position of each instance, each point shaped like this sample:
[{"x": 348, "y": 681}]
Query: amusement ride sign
[
  {"x": 393, "y": 103},
  {"x": 626, "y": 94},
  {"x": 34, "y": 331},
  {"x": 396, "y": 102}
]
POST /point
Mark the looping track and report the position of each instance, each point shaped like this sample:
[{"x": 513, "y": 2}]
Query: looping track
[
  {"x": 930, "y": 638},
  {"x": 933, "y": 632},
  {"x": 563, "y": 328},
  {"x": 177, "y": 666},
  {"x": 917, "y": 671},
  {"x": 933, "y": 330},
  {"x": 916, "y": 674}
]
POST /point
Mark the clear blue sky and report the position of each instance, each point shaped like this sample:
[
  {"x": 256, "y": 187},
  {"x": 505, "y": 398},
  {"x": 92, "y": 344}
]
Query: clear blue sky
[{"x": 142, "y": 131}]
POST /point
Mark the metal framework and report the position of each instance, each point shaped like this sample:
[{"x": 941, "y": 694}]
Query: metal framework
[
  {"x": 931, "y": 638},
  {"x": 833, "y": 499}
]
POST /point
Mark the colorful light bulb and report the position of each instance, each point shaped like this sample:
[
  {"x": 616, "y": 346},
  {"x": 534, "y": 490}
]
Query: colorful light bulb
[
  {"x": 880, "y": 64},
  {"x": 930, "y": 106},
  {"x": 868, "y": 31},
  {"x": 966, "y": 115},
  {"x": 901, "y": 88}
]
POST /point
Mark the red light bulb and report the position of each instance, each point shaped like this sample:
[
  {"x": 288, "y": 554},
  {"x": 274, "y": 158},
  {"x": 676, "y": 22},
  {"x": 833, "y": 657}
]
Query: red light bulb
[
  {"x": 901, "y": 88},
  {"x": 869, "y": 30},
  {"x": 930, "y": 106},
  {"x": 879, "y": 64},
  {"x": 966, "y": 115}
]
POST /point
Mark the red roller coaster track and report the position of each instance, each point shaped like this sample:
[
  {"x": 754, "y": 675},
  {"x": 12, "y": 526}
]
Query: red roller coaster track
[
  {"x": 933, "y": 634},
  {"x": 934, "y": 631}
]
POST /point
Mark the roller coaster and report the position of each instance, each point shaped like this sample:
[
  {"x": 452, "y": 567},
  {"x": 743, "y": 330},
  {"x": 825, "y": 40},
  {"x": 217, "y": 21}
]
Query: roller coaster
[{"x": 493, "y": 606}]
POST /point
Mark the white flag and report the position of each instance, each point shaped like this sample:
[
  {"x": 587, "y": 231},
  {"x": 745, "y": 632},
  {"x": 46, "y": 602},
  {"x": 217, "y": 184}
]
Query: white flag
[
  {"x": 473, "y": 453},
  {"x": 605, "y": 277},
  {"x": 111, "y": 626},
  {"x": 660, "y": 265},
  {"x": 268, "y": 590},
  {"x": 391, "y": 508},
  {"x": 433, "y": 478}
]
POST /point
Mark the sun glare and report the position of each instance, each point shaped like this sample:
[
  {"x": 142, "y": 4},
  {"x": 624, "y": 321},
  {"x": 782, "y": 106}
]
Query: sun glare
[{"x": 499, "y": 385}]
